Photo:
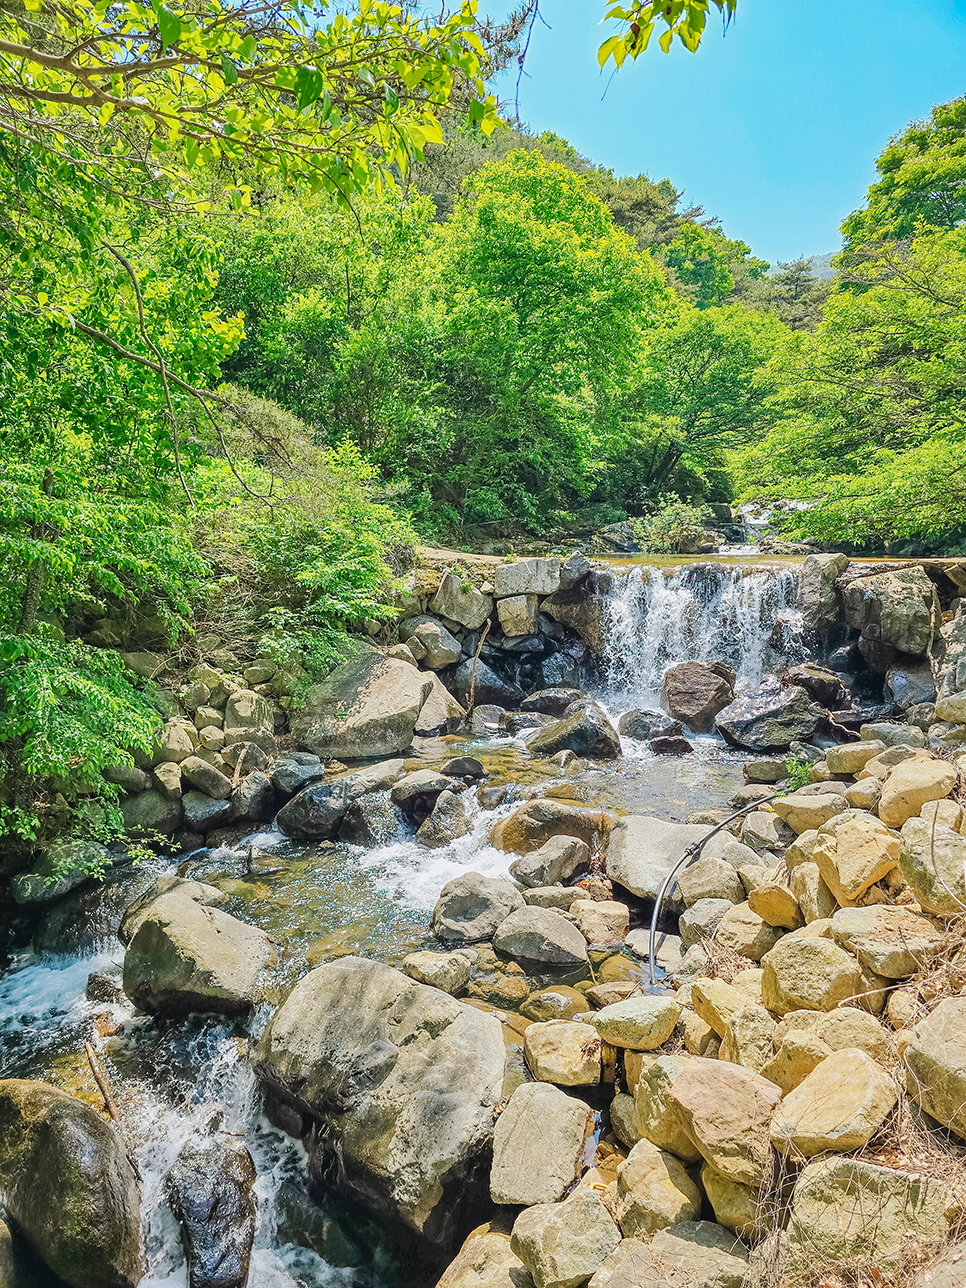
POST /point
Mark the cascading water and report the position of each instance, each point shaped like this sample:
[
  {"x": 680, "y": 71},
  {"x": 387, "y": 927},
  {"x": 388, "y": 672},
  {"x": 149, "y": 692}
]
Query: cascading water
[{"x": 656, "y": 618}]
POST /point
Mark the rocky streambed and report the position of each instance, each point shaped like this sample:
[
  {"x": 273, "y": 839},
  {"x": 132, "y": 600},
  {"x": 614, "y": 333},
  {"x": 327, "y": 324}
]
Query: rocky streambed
[{"x": 382, "y": 1013}]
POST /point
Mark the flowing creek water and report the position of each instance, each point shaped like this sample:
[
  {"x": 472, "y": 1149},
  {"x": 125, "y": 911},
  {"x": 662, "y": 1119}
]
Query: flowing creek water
[{"x": 190, "y": 1080}]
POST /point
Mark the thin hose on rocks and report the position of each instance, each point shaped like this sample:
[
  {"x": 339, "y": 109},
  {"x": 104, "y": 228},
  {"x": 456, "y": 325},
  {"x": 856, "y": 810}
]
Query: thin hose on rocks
[{"x": 691, "y": 852}]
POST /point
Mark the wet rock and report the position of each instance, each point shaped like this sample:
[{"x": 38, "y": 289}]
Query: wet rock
[
  {"x": 907, "y": 686},
  {"x": 644, "y": 725},
  {"x": 670, "y": 746},
  {"x": 316, "y": 813},
  {"x": 366, "y": 708},
  {"x": 67, "y": 1183},
  {"x": 202, "y": 813},
  {"x": 893, "y": 942},
  {"x": 210, "y": 1187},
  {"x": 449, "y": 821},
  {"x": 653, "y": 1191},
  {"x": 727, "y": 1111},
  {"x": 467, "y": 768},
  {"x": 449, "y": 972},
  {"x": 694, "y": 694},
  {"x": 564, "y": 1052},
  {"x": 583, "y": 613},
  {"x": 845, "y": 1210},
  {"x": 371, "y": 820},
  {"x": 472, "y": 907},
  {"x": 769, "y": 719},
  {"x": 558, "y": 1003},
  {"x": 587, "y": 732},
  {"x": 821, "y": 684},
  {"x": 89, "y": 917},
  {"x": 556, "y": 860},
  {"x": 185, "y": 956},
  {"x": 911, "y": 785},
  {"x": 935, "y": 1072},
  {"x": 839, "y": 1106},
  {"x": 818, "y": 598},
  {"x": 393, "y": 1084},
  {"x": 72, "y": 862},
  {"x": 533, "y": 824},
  {"x": 562, "y": 1244},
  {"x": 642, "y": 850},
  {"x": 253, "y": 800},
  {"x": 290, "y": 776},
  {"x": 638, "y": 1023},
  {"x": 150, "y": 812},
  {"x": 553, "y": 701},
  {"x": 537, "y": 1142},
  {"x": 932, "y": 858},
  {"x": 540, "y": 935}
]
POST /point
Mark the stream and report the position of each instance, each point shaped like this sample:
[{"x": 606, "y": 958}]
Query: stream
[{"x": 191, "y": 1079}]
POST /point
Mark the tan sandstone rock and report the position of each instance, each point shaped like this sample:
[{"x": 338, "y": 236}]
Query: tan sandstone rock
[
  {"x": 911, "y": 785},
  {"x": 653, "y": 1191},
  {"x": 839, "y": 1106},
  {"x": 726, "y": 1110}
]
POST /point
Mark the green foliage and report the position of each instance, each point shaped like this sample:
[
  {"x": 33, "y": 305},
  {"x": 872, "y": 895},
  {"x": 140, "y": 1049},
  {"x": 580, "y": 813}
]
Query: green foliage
[
  {"x": 673, "y": 527},
  {"x": 798, "y": 773},
  {"x": 684, "y": 19}
]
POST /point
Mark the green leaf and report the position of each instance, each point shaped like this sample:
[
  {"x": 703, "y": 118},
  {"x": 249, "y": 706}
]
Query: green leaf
[
  {"x": 169, "y": 26},
  {"x": 229, "y": 70},
  {"x": 309, "y": 86}
]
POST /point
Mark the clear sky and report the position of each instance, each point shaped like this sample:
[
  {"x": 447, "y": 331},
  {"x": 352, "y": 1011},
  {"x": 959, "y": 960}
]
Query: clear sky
[{"x": 775, "y": 127}]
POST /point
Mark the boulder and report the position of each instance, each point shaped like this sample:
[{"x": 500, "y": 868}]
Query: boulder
[
  {"x": 851, "y": 859},
  {"x": 472, "y": 907},
  {"x": 716, "y": 1002},
  {"x": 776, "y": 905},
  {"x": 316, "y": 813},
  {"x": 185, "y": 956},
  {"x": 762, "y": 830},
  {"x": 727, "y": 1111},
  {"x": 533, "y": 824},
  {"x": 807, "y": 811},
  {"x": 908, "y": 686},
  {"x": 67, "y": 1182},
  {"x": 770, "y": 718},
  {"x": 586, "y": 732},
  {"x": 764, "y": 771},
  {"x": 671, "y": 746},
  {"x": 935, "y": 1068},
  {"x": 537, "y": 1143},
  {"x": 797, "y": 1053},
  {"x": 553, "y": 701},
  {"x": 210, "y": 1189},
  {"x": 177, "y": 742},
  {"x": 898, "y": 609},
  {"x": 556, "y": 860},
  {"x": 694, "y": 694},
  {"x": 392, "y": 1084},
  {"x": 847, "y": 1211},
  {"x": 485, "y": 1260},
  {"x": 202, "y": 814},
  {"x": 486, "y": 686},
  {"x": 563, "y": 1052},
  {"x": 540, "y": 935},
  {"x": 128, "y": 777},
  {"x": 449, "y": 820},
  {"x": 601, "y": 921},
  {"x": 440, "y": 648},
  {"x": 701, "y": 920},
  {"x": 447, "y": 971},
  {"x": 253, "y": 799},
  {"x": 638, "y": 1023},
  {"x": 653, "y": 1191},
  {"x": 642, "y": 850},
  {"x": 932, "y": 858},
  {"x": 461, "y": 602},
  {"x": 440, "y": 714},
  {"x": 735, "y": 1206},
  {"x": 821, "y": 684},
  {"x": 562, "y": 1244},
  {"x": 644, "y": 725},
  {"x": 748, "y": 1039},
  {"x": 582, "y": 612},
  {"x": 366, "y": 708},
  {"x": 557, "y": 1003},
  {"x": 177, "y": 887},
  {"x": 150, "y": 812},
  {"x": 911, "y": 785},
  {"x": 818, "y": 598},
  {"x": 710, "y": 879},
  {"x": 893, "y": 942},
  {"x": 61, "y": 869},
  {"x": 893, "y": 735},
  {"x": 747, "y": 933},
  {"x": 518, "y": 615},
  {"x": 657, "y": 1117},
  {"x": 839, "y": 1106},
  {"x": 247, "y": 712},
  {"x": 527, "y": 577},
  {"x": 809, "y": 975}
]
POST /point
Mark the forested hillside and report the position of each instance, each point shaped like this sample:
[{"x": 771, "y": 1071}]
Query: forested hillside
[{"x": 236, "y": 393}]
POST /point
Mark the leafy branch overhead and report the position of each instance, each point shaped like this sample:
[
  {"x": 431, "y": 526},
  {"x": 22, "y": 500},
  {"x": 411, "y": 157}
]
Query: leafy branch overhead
[{"x": 685, "y": 19}]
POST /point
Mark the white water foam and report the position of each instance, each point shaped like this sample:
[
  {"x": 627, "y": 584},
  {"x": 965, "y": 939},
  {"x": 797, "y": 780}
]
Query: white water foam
[{"x": 702, "y": 613}]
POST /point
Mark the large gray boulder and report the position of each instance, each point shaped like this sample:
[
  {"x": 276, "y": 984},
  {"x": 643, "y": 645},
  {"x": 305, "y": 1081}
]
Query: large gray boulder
[
  {"x": 210, "y": 1188},
  {"x": 527, "y": 577},
  {"x": 471, "y": 907},
  {"x": 66, "y": 1181},
  {"x": 137, "y": 910},
  {"x": 439, "y": 647},
  {"x": 316, "y": 813},
  {"x": 537, "y": 1143},
  {"x": 642, "y": 850},
  {"x": 818, "y": 599},
  {"x": 562, "y": 1244},
  {"x": 541, "y": 935},
  {"x": 440, "y": 713},
  {"x": 392, "y": 1083},
  {"x": 186, "y": 956},
  {"x": 61, "y": 869},
  {"x": 150, "y": 812},
  {"x": 555, "y": 861},
  {"x": 366, "y": 708},
  {"x": 769, "y": 719},
  {"x": 487, "y": 688},
  {"x": 461, "y": 602},
  {"x": 895, "y": 611}
]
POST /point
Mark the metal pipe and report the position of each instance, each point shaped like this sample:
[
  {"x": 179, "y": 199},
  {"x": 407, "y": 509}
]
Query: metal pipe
[{"x": 694, "y": 848}]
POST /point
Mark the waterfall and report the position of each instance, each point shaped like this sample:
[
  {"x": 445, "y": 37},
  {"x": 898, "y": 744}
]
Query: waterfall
[{"x": 707, "y": 612}]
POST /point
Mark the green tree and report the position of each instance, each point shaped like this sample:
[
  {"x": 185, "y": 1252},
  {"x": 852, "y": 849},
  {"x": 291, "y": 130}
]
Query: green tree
[{"x": 797, "y": 295}]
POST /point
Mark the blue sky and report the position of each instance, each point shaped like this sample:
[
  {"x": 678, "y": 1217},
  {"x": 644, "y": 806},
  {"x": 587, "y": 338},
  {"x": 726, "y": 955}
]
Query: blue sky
[{"x": 775, "y": 127}]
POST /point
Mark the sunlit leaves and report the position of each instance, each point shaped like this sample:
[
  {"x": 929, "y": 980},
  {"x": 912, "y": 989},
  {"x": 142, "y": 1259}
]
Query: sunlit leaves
[{"x": 684, "y": 19}]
